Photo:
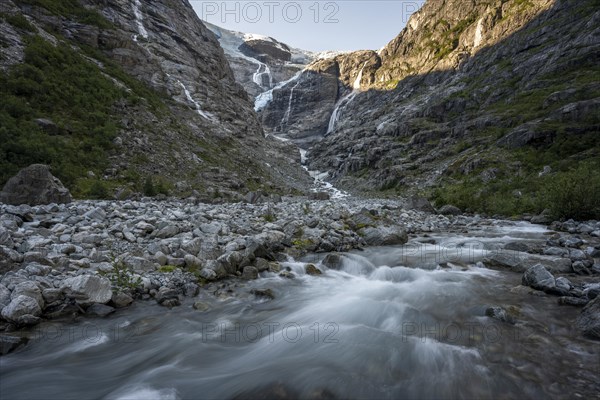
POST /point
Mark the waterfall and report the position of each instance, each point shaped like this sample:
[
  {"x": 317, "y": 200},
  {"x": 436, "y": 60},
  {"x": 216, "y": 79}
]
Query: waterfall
[
  {"x": 265, "y": 98},
  {"x": 257, "y": 77},
  {"x": 139, "y": 20},
  {"x": 335, "y": 115},
  {"x": 188, "y": 95},
  {"x": 286, "y": 116}
]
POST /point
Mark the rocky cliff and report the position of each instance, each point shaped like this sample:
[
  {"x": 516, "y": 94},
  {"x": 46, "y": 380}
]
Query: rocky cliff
[
  {"x": 485, "y": 100},
  {"x": 126, "y": 96}
]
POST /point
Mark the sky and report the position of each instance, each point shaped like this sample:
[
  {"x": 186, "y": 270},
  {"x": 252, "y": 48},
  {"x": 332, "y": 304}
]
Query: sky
[{"x": 314, "y": 25}]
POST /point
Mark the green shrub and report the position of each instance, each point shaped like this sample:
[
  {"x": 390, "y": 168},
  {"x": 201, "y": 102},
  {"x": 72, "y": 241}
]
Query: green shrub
[
  {"x": 575, "y": 193},
  {"x": 98, "y": 190},
  {"x": 18, "y": 21},
  {"x": 149, "y": 189}
]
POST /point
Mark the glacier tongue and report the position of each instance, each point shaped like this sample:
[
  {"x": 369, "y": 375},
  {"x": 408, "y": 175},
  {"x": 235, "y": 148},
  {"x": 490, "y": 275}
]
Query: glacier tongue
[{"x": 265, "y": 98}]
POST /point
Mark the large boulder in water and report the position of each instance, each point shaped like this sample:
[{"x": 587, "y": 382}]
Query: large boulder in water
[
  {"x": 589, "y": 320},
  {"x": 34, "y": 185}
]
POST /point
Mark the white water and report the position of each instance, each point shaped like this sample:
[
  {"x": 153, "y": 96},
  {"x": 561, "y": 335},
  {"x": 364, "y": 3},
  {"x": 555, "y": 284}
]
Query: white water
[
  {"x": 286, "y": 116},
  {"x": 335, "y": 115},
  {"x": 139, "y": 20},
  {"x": 188, "y": 95},
  {"x": 265, "y": 98},
  {"x": 320, "y": 183},
  {"x": 257, "y": 77}
]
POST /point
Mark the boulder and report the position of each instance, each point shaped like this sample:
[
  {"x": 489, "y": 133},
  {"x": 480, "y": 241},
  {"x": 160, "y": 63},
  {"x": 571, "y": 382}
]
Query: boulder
[
  {"x": 250, "y": 273},
  {"x": 8, "y": 344},
  {"x": 518, "y": 261},
  {"x": 88, "y": 289},
  {"x": 589, "y": 320},
  {"x": 22, "y": 310},
  {"x": 419, "y": 203},
  {"x": 34, "y": 185},
  {"x": 449, "y": 210},
  {"x": 383, "y": 236},
  {"x": 538, "y": 277},
  {"x": 99, "y": 310},
  {"x": 4, "y": 296},
  {"x": 311, "y": 269},
  {"x": 120, "y": 299},
  {"x": 28, "y": 289}
]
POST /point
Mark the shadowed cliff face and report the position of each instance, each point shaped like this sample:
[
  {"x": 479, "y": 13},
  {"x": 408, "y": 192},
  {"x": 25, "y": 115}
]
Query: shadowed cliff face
[
  {"x": 196, "y": 130},
  {"x": 470, "y": 91}
]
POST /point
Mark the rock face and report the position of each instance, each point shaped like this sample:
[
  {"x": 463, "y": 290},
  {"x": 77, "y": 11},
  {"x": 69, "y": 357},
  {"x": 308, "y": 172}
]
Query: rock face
[
  {"x": 260, "y": 63},
  {"x": 450, "y": 97},
  {"x": 191, "y": 110},
  {"x": 34, "y": 185}
]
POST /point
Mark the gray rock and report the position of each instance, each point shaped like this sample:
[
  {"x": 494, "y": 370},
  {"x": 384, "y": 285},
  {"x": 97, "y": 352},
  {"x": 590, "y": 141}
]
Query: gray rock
[
  {"x": 520, "y": 262},
  {"x": 96, "y": 214},
  {"x": 538, "y": 277},
  {"x": 268, "y": 293},
  {"x": 120, "y": 299},
  {"x": 419, "y": 204},
  {"x": 88, "y": 289},
  {"x": 20, "y": 309},
  {"x": 589, "y": 320},
  {"x": 563, "y": 283},
  {"x": 166, "y": 297},
  {"x": 4, "y": 296},
  {"x": 311, "y": 269},
  {"x": 34, "y": 185},
  {"x": 556, "y": 251},
  {"x": 201, "y": 306},
  {"x": 8, "y": 344},
  {"x": 52, "y": 295},
  {"x": 168, "y": 231},
  {"x": 99, "y": 310},
  {"x": 383, "y": 236},
  {"x": 208, "y": 274},
  {"x": 333, "y": 261},
  {"x": 572, "y": 301},
  {"x": 28, "y": 289},
  {"x": 250, "y": 273},
  {"x": 287, "y": 274},
  {"x": 500, "y": 314},
  {"x": 190, "y": 289},
  {"x": 517, "y": 246},
  {"x": 580, "y": 268},
  {"x": 449, "y": 210}
]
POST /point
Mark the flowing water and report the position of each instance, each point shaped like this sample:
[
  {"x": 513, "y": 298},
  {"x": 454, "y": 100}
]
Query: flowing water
[{"x": 390, "y": 323}]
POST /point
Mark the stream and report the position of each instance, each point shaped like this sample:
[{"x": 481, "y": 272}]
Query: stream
[{"x": 389, "y": 323}]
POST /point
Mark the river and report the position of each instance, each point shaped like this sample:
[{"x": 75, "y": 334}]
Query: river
[{"x": 388, "y": 324}]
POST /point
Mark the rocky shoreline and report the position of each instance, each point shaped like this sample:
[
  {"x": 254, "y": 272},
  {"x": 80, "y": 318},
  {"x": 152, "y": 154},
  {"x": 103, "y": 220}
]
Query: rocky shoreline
[{"x": 91, "y": 257}]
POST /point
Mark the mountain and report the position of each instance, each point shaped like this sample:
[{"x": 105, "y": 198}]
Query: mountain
[
  {"x": 477, "y": 103},
  {"x": 122, "y": 96}
]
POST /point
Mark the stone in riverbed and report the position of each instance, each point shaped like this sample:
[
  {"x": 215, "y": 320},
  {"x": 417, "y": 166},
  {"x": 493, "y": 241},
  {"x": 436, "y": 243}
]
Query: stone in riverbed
[
  {"x": 383, "y": 236},
  {"x": 22, "y": 310},
  {"x": 311, "y": 269},
  {"x": 449, "y": 210},
  {"x": 518, "y": 261},
  {"x": 538, "y": 278},
  {"x": 589, "y": 320},
  {"x": 88, "y": 289},
  {"x": 250, "y": 273},
  {"x": 34, "y": 185},
  {"x": 28, "y": 289},
  {"x": 4, "y": 296},
  {"x": 9, "y": 344},
  {"x": 268, "y": 293},
  {"x": 500, "y": 314},
  {"x": 572, "y": 301},
  {"x": 201, "y": 306},
  {"x": 99, "y": 310},
  {"x": 120, "y": 299}
]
